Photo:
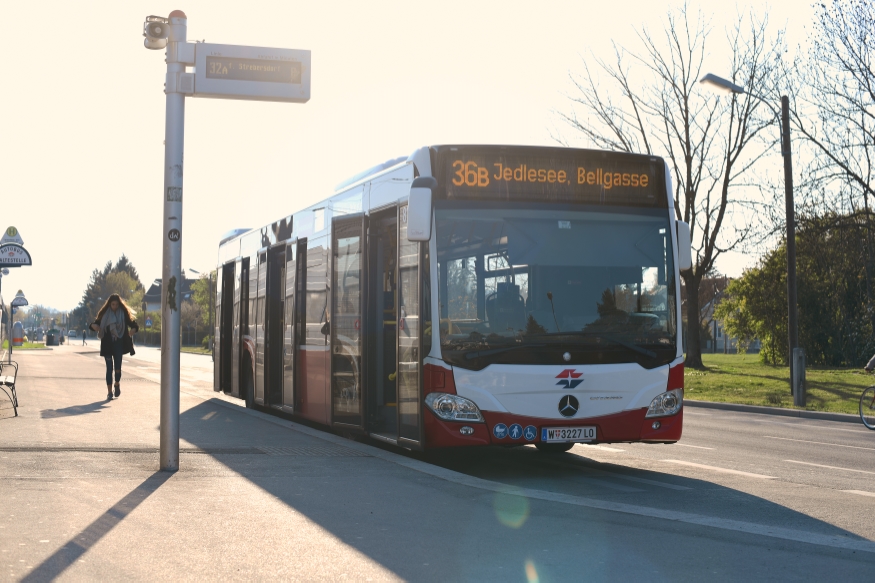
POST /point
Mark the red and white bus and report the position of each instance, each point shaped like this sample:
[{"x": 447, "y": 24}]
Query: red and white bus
[{"x": 467, "y": 295}]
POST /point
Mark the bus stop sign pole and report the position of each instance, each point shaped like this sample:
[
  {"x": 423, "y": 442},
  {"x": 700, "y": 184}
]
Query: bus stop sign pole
[
  {"x": 171, "y": 280},
  {"x": 222, "y": 72}
]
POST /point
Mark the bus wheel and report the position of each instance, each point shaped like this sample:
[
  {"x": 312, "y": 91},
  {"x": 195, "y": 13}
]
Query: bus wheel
[
  {"x": 554, "y": 447},
  {"x": 249, "y": 386}
]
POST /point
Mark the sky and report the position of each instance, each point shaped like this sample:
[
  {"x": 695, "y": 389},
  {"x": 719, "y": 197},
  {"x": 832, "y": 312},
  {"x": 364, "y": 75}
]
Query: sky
[{"x": 81, "y": 171}]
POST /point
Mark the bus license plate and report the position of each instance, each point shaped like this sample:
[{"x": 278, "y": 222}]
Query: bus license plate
[{"x": 567, "y": 434}]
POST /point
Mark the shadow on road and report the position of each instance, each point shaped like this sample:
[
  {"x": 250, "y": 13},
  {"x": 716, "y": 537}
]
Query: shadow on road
[
  {"x": 77, "y": 546},
  {"x": 423, "y": 527},
  {"x": 94, "y": 407}
]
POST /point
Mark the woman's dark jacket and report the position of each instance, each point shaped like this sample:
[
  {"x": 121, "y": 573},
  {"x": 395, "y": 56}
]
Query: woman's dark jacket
[{"x": 127, "y": 341}]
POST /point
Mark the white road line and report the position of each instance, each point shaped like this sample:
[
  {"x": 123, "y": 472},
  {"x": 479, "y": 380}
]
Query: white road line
[
  {"x": 724, "y": 470},
  {"x": 696, "y": 446},
  {"x": 860, "y": 492},
  {"x": 619, "y": 476},
  {"x": 599, "y": 447},
  {"x": 830, "y": 467},
  {"x": 646, "y": 481},
  {"x": 819, "y": 442},
  {"x": 861, "y": 429}
]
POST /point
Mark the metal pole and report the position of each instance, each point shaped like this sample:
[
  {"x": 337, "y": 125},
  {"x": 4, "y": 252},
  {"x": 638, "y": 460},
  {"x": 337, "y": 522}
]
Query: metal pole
[
  {"x": 174, "y": 134},
  {"x": 211, "y": 332},
  {"x": 792, "y": 322}
]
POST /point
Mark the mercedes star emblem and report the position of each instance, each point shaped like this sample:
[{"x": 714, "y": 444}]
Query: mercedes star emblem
[{"x": 568, "y": 406}]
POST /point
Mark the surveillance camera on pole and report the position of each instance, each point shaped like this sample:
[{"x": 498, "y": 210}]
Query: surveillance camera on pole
[{"x": 156, "y": 30}]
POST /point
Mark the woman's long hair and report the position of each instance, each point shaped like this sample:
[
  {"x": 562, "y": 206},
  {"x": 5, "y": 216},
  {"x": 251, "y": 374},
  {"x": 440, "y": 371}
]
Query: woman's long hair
[{"x": 115, "y": 297}]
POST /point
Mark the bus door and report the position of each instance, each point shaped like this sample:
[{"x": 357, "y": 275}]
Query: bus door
[
  {"x": 239, "y": 283},
  {"x": 313, "y": 282},
  {"x": 241, "y": 287},
  {"x": 291, "y": 312},
  {"x": 275, "y": 325},
  {"x": 260, "y": 325},
  {"x": 224, "y": 311},
  {"x": 300, "y": 332},
  {"x": 410, "y": 429},
  {"x": 381, "y": 355},
  {"x": 217, "y": 331},
  {"x": 345, "y": 322}
]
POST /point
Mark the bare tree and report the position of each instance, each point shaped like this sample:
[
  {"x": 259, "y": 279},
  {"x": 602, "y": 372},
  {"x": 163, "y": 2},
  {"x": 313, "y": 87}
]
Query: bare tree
[
  {"x": 711, "y": 143},
  {"x": 835, "y": 112}
]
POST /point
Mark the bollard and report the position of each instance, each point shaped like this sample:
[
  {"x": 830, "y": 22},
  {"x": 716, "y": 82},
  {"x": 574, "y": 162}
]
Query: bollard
[{"x": 797, "y": 380}]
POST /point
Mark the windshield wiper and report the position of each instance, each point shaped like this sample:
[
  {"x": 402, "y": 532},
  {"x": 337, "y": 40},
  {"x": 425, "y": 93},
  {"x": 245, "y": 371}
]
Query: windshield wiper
[
  {"x": 491, "y": 351},
  {"x": 629, "y": 345}
]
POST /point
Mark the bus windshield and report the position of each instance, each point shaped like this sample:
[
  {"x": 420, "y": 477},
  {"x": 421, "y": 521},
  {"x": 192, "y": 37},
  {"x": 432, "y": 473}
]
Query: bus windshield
[{"x": 524, "y": 283}]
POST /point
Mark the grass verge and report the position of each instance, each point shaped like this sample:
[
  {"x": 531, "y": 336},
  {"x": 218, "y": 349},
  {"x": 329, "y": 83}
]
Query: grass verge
[
  {"x": 195, "y": 350},
  {"x": 25, "y": 346},
  {"x": 743, "y": 379}
]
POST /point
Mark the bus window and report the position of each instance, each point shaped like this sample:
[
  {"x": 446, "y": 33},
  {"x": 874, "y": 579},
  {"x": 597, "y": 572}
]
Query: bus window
[
  {"x": 317, "y": 291},
  {"x": 462, "y": 289}
]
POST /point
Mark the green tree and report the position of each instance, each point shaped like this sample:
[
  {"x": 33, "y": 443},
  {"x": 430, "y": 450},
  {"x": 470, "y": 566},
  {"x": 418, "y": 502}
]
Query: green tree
[
  {"x": 201, "y": 291},
  {"x": 120, "y": 278},
  {"x": 835, "y": 326},
  {"x": 755, "y": 307}
]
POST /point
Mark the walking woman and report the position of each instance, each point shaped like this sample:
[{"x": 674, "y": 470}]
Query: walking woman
[{"x": 112, "y": 324}]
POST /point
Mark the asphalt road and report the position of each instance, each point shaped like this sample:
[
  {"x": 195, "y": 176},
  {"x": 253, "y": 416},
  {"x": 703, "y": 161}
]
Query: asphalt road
[
  {"x": 261, "y": 497},
  {"x": 816, "y": 476}
]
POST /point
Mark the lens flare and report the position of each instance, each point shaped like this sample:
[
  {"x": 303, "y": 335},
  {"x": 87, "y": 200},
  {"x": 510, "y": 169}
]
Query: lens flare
[
  {"x": 531, "y": 572},
  {"x": 511, "y": 508}
]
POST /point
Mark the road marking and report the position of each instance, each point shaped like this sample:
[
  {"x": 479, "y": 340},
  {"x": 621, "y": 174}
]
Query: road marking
[
  {"x": 724, "y": 470},
  {"x": 645, "y": 481},
  {"x": 696, "y": 446},
  {"x": 587, "y": 468},
  {"x": 599, "y": 447},
  {"x": 830, "y": 467},
  {"x": 860, "y": 492},
  {"x": 819, "y": 442},
  {"x": 827, "y": 427}
]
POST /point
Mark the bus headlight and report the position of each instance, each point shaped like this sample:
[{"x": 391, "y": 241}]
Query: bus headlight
[
  {"x": 667, "y": 403},
  {"x": 453, "y": 407}
]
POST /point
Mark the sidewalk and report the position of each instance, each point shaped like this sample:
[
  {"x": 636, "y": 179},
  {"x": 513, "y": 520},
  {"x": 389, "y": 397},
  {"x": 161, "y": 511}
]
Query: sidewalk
[
  {"x": 83, "y": 496},
  {"x": 256, "y": 497}
]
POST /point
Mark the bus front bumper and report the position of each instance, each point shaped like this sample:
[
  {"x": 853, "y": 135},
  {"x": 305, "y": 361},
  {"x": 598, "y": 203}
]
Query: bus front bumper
[{"x": 499, "y": 429}]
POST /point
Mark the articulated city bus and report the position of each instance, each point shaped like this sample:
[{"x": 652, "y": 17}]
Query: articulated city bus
[{"x": 467, "y": 295}]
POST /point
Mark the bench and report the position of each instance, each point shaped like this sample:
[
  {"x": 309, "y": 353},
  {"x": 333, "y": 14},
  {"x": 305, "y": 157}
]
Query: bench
[{"x": 8, "y": 376}]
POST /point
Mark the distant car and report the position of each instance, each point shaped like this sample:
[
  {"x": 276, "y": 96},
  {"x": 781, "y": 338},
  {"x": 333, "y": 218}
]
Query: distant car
[{"x": 72, "y": 334}]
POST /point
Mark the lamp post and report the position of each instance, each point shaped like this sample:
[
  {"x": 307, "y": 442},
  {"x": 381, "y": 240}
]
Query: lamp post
[{"x": 797, "y": 357}]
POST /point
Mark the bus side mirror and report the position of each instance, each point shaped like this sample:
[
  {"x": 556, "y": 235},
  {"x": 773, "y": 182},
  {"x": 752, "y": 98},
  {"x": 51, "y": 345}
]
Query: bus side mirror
[
  {"x": 685, "y": 246},
  {"x": 419, "y": 209}
]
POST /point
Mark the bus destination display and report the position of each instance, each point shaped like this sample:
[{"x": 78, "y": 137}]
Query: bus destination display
[
  {"x": 261, "y": 70},
  {"x": 519, "y": 177}
]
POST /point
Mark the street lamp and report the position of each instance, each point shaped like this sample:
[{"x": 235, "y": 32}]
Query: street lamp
[{"x": 797, "y": 369}]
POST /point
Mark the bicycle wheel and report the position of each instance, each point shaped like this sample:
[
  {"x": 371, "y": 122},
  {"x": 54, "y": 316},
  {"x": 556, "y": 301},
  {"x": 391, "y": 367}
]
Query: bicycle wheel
[{"x": 867, "y": 407}]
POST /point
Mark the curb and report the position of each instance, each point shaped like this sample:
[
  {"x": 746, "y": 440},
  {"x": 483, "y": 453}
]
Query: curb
[{"x": 842, "y": 417}]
